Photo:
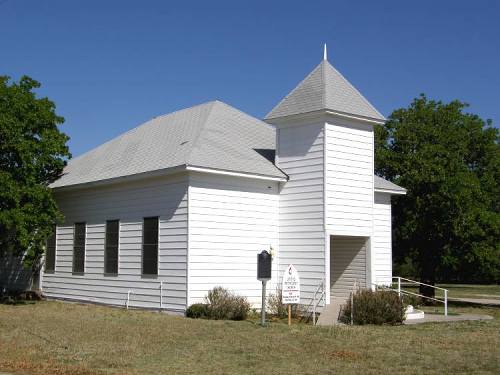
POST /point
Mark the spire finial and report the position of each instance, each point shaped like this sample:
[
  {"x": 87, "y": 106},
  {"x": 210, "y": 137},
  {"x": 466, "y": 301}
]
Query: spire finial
[{"x": 325, "y": 55}]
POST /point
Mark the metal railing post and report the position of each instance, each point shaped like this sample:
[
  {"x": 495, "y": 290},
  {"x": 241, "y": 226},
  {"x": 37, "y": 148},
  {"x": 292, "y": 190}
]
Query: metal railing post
[
  {"x": 314, "y": 311},
  {"x": 445, "y": 302},
  {"x": 128, "y": 298},
  {"x": 161, "y": 295},
  {"x": 406, "y": 292}
]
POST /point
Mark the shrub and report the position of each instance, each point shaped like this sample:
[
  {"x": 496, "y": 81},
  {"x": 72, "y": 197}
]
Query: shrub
[
  {"x": 197, "y": 310},
  {"x": 222, "y": 304},
  {"x": 276, "y": 307},
  {"x": 379, "y": 307},
  {"x": 409, "y": 299},
  {"x": 275, "y": 304}
]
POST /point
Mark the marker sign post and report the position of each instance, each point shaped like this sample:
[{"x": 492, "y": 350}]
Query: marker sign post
[
  {"x": 290, "y": 289},
  {"x": 264, "y": 267}
]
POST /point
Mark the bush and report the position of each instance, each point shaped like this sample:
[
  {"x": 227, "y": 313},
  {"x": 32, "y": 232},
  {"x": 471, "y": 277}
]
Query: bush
[
  {"x": 275, "y": 304},
  {"x": 379, "y": 307},
  {"x": 222, "y": 304},
  {"x": 409, "y": 299},
  {"x": 197, "y": 311}
]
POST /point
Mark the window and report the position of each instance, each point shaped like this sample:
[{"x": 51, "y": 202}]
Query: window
[
  {"x": 50, "y": 252},
  {"x": 150, "y": 246},
  {"x": 79, "y": 248},
  {"x": 111, "y": 249}
]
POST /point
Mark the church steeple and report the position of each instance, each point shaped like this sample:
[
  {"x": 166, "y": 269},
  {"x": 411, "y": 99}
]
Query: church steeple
[{"x": 325, "y": 89}]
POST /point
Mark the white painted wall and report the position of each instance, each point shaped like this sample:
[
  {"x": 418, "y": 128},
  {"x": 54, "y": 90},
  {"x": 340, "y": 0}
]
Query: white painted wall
[
  {"x": 301, "y": 205},
  {"x": 349, "y": 178},
  {"x": 381, "y": 240},
  {"x": 231, "y": 220},
  {"x": 129, "y": 202}
]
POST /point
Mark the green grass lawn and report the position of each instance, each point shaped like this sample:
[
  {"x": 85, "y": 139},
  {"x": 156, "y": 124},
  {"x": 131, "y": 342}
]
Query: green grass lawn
[
  {"x": 462, "y": 290},
  {"x": 63, "y": 338}
]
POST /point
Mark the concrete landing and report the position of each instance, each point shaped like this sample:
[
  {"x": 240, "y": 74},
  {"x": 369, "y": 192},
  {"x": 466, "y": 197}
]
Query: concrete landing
[{"x": 437, "y": 318}]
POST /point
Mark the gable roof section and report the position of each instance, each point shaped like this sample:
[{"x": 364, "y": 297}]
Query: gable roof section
[
  {"x": 211, "y": 135},
  {"x": 325, "y": 89},
  {"x": 381, "y": 184}
]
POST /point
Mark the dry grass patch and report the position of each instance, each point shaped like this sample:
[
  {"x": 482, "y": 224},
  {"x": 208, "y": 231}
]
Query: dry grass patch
[{"x": 63, "y": 338}]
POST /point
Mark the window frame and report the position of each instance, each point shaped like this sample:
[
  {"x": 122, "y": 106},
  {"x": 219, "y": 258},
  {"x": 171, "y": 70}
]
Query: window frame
[
  {"x": 52, "y": 270},
  {"x": 84, "y": 247},
  {"x": 106, "y": 273},
  {"x": 150, "y": 275}
]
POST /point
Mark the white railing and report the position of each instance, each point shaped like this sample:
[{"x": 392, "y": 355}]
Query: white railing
[
  {"x": 354, "y": 287},
  {"x": 130, "y": 292},
  {"x": 400, "y": 291},
  {"x": 315, "y": 302}
]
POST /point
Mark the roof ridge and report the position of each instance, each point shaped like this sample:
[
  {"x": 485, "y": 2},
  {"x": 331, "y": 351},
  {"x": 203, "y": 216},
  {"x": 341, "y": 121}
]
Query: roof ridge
[
  {"x": 323, "y": 83},
  {"x": 355, "y": 89},
  {"x": 270, "y": 126},
  {"x": 293, "y": 91},
  {"x": 182, "y": 109},
  {"x": 198, "y": 135}
]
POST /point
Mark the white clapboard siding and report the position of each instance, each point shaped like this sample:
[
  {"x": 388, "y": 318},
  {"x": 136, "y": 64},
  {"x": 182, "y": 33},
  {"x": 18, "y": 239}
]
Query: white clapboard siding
[
  {"x": 231, "y": 220},
  {"x": 130, "y": 203},
  {"x": 301, "y": 205},
  {"x": 347, "y": 265},
  {"x": 349, "y": 178},
  {"x": 381, "y": 240}
]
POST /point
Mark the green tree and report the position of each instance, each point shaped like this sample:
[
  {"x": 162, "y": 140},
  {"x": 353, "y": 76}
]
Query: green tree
[
  {"x": 33, "y": 153},
  {"x": 447, "y": 226}
]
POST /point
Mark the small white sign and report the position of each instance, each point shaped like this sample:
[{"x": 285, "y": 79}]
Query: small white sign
[{"x": 291, "y": 286}]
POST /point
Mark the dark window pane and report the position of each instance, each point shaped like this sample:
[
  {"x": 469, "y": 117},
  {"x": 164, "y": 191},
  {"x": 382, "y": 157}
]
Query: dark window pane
[
  {"x": 111, "y": 249},
  {"x": 150, "y": 246},
  {"x": 150, "y": 231},
  {"x": 79, "y": 248},
  {"x": 50, "y": 252},
  {"x": 111, "y": 239}
]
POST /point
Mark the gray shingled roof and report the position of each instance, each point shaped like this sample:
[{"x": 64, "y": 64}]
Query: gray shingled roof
[
  {"x": 210, "y": 135},
  {"x": 382, "y": 184},
  {"x": 324, "y": 89}
]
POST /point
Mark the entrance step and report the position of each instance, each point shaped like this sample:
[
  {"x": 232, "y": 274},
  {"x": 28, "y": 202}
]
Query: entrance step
[
  {"x": 330, "y": 314},
  {"x": 411, "y": 313}
]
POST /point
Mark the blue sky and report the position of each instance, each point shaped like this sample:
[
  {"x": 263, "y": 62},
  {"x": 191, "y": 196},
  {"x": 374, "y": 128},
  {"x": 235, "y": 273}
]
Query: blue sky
[{"x": 111, "y": 65}]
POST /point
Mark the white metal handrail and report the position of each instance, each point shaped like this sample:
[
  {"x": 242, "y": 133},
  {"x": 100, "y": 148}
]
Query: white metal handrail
[
  {"x": 130, "y": 292},
  {"x": 354, "y": 287},
  {"x": 444, "y": 301},
  {"x": 315, "y": 303},
  {"x": 128, "y": 298}
]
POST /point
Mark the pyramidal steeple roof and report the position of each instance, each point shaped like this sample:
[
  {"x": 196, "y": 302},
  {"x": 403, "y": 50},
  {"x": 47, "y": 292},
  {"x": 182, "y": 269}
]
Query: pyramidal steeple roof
[{"x": 325, "y": 89}]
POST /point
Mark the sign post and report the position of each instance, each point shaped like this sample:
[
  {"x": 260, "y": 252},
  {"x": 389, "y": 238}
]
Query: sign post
[
  {"x": 290, "y": 291},
  {"x": 264, "y": 263}
]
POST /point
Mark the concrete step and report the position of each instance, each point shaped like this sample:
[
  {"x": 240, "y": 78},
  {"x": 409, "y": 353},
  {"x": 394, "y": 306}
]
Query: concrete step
[{"x": 330, "y": 314}]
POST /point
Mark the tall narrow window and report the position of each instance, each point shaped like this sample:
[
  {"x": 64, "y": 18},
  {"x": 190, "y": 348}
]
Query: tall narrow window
[
  {"x": 50, "y": 252},
  {"x": 79, "y": 248},
  {"x": 150, "y": 246},
  {"x": 111, "y": 250}
]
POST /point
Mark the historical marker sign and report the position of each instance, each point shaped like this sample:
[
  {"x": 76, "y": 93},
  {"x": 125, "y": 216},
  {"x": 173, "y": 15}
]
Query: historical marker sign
[{"x": 291, "y": 286}]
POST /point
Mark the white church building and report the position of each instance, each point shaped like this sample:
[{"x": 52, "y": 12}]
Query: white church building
[{"x": 161, "y": 214}]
